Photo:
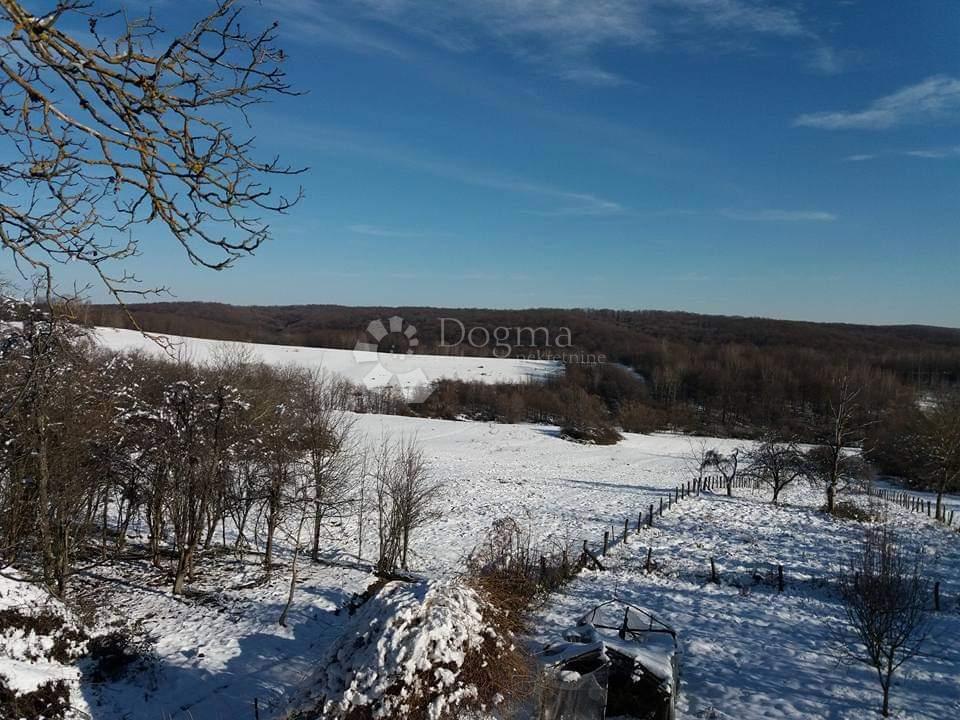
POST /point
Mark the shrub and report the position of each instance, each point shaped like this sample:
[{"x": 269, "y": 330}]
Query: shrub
[
  {"x": 68, "y": 642},
  {"x": 601, "y": 434},
  {"x": 884, "y": 596},
  {"x": 851, "y": 511},
  {"x": 119, "y": 653},
  {"x": 637, "y": 417},
  {"x": 49, "y": 701}
]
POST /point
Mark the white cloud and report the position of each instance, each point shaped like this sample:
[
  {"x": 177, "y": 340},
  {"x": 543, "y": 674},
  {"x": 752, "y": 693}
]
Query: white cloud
[
  {"x": 863, "y": 157},
  {"x": 935, "y": 153},
  {"x": 827, "y": 61},
  {"x": 740, "y": 15},
  {"x": 380, "y": 231},
  {"x": 779, "y": 215},
  {"x": 561, "y": 36},
  {"x": 936, "y": 98}
]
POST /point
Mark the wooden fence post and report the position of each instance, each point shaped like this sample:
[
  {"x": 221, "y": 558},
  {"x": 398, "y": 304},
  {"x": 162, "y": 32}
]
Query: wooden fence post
[
  {"x": 779, "y": 578},
  {"x": 639, "y": 521},
  {"x": 626, "y": 526},
  {"x": 661, "y": 507},
  {"x": 713, "y": 572},
  {"x": 651, "y": 514},
  {"x": 606, "y": 540},
  {"x": 648, "y": 566}
]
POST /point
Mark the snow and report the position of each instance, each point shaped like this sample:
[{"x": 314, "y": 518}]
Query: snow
[
  {"x": 561, "y": 492},
  {"x": 220, "y": 648},
  {"x": 414, "y": 638},
  {"x": 747, "y": 651},
  {"x": 363, "y": 367},
  {"x": 25, "y": 661}
]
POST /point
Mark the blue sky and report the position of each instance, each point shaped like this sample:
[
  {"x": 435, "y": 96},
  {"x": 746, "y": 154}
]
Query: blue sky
[{"x": 796, "y": 159}]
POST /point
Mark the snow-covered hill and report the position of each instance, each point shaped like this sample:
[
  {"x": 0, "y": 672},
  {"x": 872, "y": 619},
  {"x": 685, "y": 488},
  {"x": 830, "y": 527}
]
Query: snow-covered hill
[{"x": 364, "y": 367}]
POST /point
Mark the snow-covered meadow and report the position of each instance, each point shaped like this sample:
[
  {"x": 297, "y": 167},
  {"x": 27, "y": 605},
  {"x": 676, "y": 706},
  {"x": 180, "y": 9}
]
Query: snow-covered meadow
[{"x": 748, "y": 651}]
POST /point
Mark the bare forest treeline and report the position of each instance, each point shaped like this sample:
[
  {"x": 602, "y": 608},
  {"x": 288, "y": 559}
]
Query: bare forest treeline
[
  {"x": 715, "y": 375},
  {"x": 232, "y": 456},
  {"x": 696, "y": 349}
]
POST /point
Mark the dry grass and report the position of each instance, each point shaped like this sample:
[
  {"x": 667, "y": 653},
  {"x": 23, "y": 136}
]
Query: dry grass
[{"x": 852, "y": 511}]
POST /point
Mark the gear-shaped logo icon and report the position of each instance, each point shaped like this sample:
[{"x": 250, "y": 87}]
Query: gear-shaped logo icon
[{"x": 389, "y": 346}]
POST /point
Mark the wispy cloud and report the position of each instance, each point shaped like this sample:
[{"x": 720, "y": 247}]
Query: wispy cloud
[
  {"x": 773, "y": 215},
  {"x": 384, "y": 232},
  {"x": 337, "y": 140},
  {"x": 939, "y": 153},
  {"x": 935, "y": 99},
  {"x": 935, "y": 153},
  {"x": 827, "y": 60},
  {"x": 562, "y": 36}
]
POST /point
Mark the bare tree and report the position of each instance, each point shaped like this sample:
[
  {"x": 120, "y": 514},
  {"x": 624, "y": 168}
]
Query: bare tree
[
  {"x": 48, "y": 420},
  {"x": 197, "y": 419},
  {"x": 841, "y": 431},
  {"x": 405, "y": 496},
  {"x": 414, "y": 494},
  {"x": 698, "y": 460},
  {"x": 280, "y": 446},
  {"x": 884, "y": 599},
  {"x": 331, "y": 455},
  {"x": 384, "y": 475},
  {"x": 775, "y": 465},
  {"x": 727, "y": 465},
  {"x": 935, "y": 447},
  {"x": 299, "y": 500},
  {"x": 120, "y": 128}
]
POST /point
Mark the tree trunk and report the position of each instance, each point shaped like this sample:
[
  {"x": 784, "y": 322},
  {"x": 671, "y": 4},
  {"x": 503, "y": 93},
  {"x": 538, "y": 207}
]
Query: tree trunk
[
  {"x": 43, "y": 508},
  {"x": 831, "y": 497},
  {"x": 315, "y": 545},
  {"x": 183, "y": 567},
  {"x": 293, "y": 573},
  {"x": 211, "y": 529},
  {"x": 271, "y": 529}
]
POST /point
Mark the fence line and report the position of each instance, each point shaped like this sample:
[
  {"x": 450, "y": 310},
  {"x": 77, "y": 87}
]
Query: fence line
[
  {"x": 915, "y": 503},
  {"x": 555, "y": 571}
]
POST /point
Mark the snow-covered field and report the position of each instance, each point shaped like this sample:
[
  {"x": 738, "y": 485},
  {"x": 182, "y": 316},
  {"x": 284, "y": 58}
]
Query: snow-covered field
[
  {"x": 365, "y": 367},
  {"x": 748, "y": 652}
]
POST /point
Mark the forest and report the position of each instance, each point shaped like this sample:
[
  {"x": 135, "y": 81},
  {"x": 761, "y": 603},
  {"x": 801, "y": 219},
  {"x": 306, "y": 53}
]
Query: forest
[{"x": 716, "y": 375}]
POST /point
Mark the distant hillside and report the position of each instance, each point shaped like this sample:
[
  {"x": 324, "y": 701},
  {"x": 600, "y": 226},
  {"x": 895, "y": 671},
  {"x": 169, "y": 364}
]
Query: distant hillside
[
  {"x": 714, "y": 375},
  {"x": 921, "y": 353}
]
